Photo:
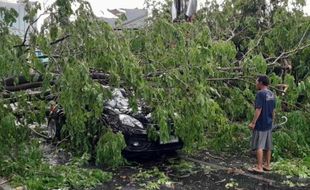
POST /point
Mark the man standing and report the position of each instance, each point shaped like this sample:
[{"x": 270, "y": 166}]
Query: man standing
[{"x": 262, "y": 124}]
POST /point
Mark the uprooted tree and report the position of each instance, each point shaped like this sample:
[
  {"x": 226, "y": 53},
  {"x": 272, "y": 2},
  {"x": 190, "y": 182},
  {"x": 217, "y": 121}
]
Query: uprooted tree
[{"x": 198, "y": 74}]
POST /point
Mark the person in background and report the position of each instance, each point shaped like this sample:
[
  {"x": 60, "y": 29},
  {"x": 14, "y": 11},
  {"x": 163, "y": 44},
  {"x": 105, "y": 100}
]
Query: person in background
[
  {"x": 183, "y": 9},
  {"x": 262, "y": 125}
]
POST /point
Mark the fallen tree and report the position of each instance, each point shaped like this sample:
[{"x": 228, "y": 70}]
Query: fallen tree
[{"x": 198, "y": 74}]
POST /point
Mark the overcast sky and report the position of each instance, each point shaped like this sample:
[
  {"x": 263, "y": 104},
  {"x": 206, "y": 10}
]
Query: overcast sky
[{"x": 100, "y": 6}]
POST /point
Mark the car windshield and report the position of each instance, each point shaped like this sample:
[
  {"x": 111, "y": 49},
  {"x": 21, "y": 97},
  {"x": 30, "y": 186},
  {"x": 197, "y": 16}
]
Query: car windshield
[{"x": 38, "y": 53}]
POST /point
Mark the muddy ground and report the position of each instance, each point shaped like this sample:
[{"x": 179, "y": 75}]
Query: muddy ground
[{"x": 202, "y": 171}]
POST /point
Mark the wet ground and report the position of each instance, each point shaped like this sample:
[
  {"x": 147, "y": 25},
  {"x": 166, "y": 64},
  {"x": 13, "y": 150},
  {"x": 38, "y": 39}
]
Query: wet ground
[{"x": 203, "y": 171}]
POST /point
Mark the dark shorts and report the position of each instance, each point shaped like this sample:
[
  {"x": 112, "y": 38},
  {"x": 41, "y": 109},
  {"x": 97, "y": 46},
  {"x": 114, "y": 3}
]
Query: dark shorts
[{"x": 261, "y": 140}]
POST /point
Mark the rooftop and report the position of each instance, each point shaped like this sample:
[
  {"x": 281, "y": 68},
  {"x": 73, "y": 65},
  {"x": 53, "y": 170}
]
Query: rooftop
[{"x": 135, "y": 18}]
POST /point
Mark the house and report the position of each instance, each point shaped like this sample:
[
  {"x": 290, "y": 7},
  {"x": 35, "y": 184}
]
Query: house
[
  {"x": 20, "y": 26},
  {"x": 134, "y": 18}
]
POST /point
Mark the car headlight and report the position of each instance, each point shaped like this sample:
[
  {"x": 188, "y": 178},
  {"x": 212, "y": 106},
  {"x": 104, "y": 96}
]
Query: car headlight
[{"x": 136, "y": 144}]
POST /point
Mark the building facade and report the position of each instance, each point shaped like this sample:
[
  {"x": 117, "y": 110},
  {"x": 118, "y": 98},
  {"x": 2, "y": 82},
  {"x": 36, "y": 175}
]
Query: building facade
[{"x": 20, "y": 26}]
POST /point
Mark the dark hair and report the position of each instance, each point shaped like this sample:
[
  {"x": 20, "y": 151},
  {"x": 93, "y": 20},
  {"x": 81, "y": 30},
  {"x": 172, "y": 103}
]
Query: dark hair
[{"x": 263, "y": 79}]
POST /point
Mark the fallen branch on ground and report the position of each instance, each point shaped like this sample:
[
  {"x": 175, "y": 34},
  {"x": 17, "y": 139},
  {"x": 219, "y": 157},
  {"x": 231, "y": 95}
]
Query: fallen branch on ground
[
  {"x": 39, "y": 134},
  {"x": 215, "y": 157},
  {"x": 4, "y": 182},
  {"x": 23, "y": 86}
]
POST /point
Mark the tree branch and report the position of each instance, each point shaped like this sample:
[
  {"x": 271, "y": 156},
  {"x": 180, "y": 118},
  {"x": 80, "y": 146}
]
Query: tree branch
[
  {"x": 293, "y": 51},
  {"x": 233, "y": 34},
  {"x": 60, "y": 39},
  {"x": 4, "y": 182},
  {"x": 222, "y": 79},
  {"x": 287, "y": 54},
  {"x": 28, "y": 28}
]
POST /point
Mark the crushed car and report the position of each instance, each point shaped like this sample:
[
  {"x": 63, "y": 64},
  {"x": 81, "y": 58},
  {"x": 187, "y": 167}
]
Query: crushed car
[{"x": 119, "y": 117}]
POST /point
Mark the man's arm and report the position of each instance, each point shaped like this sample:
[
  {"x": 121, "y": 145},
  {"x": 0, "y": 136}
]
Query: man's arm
[{"x": 257, "y": 113}]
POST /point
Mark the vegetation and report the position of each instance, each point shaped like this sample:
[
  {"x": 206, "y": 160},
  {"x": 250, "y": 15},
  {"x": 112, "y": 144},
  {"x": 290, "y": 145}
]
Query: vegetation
[
  {"x": 54, "y": 177},
  {"x": 21, "y": 160},
  {"x": 298, "y": 168},
  {"x": 109, "y": 151},
  {"x": 200, "y": 75},
  {"x": 152, "y": 179}
]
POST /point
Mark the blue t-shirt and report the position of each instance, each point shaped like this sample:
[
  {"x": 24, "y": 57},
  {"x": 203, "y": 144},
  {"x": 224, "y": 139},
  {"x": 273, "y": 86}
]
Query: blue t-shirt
[{"x": 265, "y": 100}]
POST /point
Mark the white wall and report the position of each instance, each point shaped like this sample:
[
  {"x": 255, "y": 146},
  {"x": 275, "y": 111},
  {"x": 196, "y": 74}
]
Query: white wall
[{"x": 19, "y": 27}]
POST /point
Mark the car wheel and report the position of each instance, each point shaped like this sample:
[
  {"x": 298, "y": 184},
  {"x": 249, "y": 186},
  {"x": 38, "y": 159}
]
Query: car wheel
[{"x": 137, "y": 144}]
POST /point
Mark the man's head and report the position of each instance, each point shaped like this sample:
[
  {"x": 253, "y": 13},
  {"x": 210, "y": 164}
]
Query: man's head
[{"x": 262, "y": 82}]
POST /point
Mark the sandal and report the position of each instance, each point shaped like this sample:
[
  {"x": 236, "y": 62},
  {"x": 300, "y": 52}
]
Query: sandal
[
  {"x": 255, "y": 170},
  {"x": 266, "y": 169}
]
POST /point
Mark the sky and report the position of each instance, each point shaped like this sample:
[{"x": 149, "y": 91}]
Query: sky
[{"x": 100, "y": 6}]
